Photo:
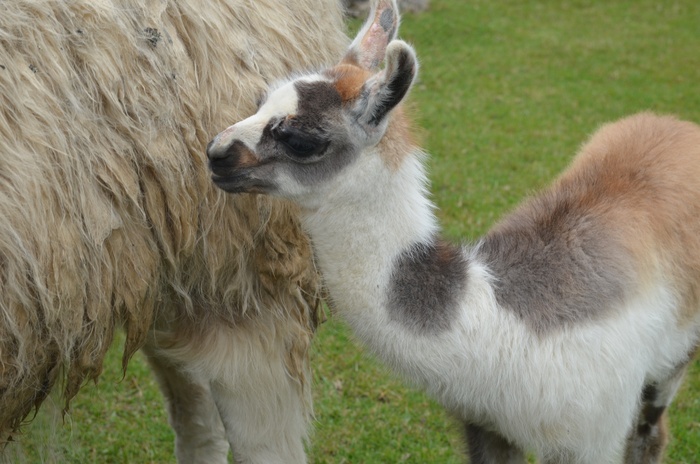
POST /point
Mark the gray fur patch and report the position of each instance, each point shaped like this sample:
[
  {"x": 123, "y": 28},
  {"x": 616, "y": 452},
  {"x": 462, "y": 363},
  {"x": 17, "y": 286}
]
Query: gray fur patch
[
  {"x": 426, "y": 283},
  {"x": 555, "y": 264},
  {"x": 316, "y": 99}
]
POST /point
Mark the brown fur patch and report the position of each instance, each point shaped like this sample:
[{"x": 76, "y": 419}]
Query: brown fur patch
[
  {"x": 348, "y": 80},
  {"x": 247, "y": 159}
]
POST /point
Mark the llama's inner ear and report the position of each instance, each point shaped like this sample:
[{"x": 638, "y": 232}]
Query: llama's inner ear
[
  {"x": 387, "y": 88},
  {"x": 369, "y": 47}
]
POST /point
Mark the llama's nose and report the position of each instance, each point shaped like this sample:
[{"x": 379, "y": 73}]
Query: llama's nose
[
  {"x": 223, "y": 155},
  {"x": 215, "y": 150},
  {"x": 224, "y": 158}
]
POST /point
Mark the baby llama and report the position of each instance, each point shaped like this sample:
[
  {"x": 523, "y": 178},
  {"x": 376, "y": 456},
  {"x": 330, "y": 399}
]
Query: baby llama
[{"x": 565, "y": 331}]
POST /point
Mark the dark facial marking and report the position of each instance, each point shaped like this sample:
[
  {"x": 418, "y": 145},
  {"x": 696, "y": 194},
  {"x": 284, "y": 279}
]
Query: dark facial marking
[
  {"x": 313, "y": 142},
  {"x": 302, "y": 146},
  {"x": 243, "y": 181},
  {"x": 316, "y": 98},
  {"x": 233, "y": 170},
  {"x": 426, "y": 283},
  {"x": 237, "y": 155},
  {"x": 555, "y": 264}
]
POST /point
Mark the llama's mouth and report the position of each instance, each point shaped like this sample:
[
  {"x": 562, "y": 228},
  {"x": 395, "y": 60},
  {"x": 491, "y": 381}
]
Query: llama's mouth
[{"x": 240, "y": 182}]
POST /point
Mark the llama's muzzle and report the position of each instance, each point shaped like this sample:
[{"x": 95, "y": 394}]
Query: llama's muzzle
[{"x": 232, "y": 166}]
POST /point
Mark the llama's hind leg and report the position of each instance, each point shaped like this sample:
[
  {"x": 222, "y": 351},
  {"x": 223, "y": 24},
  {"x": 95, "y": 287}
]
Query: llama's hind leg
[
  {"x": 199, "y": 432},
  {"x": 487, "y": 447},
  {"x": 649, "y": 435}
]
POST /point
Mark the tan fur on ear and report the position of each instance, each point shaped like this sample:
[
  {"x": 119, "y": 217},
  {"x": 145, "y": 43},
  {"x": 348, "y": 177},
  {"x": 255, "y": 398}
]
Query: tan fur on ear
[{"x": 348, "y": 80}]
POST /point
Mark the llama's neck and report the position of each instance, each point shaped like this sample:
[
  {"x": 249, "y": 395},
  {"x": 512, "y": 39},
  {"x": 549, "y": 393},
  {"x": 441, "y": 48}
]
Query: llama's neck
[{"x": 359, "y": 234}]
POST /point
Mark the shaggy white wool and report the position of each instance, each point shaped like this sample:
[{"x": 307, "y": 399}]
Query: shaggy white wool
[{"x": 108, "y": 216}]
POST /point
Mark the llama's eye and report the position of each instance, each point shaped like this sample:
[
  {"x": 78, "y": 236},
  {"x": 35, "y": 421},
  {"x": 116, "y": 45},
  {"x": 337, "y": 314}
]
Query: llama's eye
[
  {"x": 299, "y": 144},
  {"x": 302, "y": 147}
]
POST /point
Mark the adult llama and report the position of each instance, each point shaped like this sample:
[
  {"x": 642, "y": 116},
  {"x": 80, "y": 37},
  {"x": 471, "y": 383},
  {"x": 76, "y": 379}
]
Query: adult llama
[
  {"x": 564, "y": 331},
  {"x": 108, "y": 218}
]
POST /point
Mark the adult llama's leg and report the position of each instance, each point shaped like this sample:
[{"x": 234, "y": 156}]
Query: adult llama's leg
[
  {"x": 246, "y": 387},
  {"x": 649, "y": 435},
  {"x": 487, "y": 447},
  {"x": 194, "y": 417}
]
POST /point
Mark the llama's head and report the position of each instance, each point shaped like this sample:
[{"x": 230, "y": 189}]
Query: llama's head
[{"x": 310, "y": 129}]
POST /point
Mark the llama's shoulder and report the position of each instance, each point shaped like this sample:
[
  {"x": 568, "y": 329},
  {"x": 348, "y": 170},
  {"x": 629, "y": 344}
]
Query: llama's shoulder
[{"x": 642, "y": 174}]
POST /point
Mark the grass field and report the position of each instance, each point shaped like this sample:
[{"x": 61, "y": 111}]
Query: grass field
[{"x": 508, "y": 91}]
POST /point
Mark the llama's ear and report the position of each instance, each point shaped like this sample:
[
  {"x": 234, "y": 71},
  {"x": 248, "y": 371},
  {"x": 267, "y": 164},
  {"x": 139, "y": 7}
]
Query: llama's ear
[
  {"x": 383, "y": 91},
  {"x": 369, "y": 47}
]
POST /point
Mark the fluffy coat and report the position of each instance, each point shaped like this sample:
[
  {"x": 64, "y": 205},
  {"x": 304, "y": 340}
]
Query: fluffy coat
[{"x": 107, "y": 214}]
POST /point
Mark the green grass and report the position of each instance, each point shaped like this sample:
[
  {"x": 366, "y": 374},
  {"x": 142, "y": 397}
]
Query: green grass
[{"x": 508, "y": 91}]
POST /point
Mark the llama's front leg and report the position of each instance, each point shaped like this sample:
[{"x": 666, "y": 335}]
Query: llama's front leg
[
  {"x": 265, "y": 407},
  {"x": 487, "y": 447},
  {"x": 265, "y": 420},
  {"x": 649, "y": 435},
  {"x": 257, "y": 373},
  {"x": 199, "y": 432}
]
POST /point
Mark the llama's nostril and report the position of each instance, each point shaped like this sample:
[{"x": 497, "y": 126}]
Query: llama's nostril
[
  {"x": 223, "y": 158},
  {"x": 214, "y": 151}
]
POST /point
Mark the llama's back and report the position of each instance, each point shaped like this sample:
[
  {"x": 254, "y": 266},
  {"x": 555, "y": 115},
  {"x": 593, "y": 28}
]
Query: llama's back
[
  {"x": 648, "y": 168},
  {"x": 623, "y": 217},
  {"x": 107, "y": 211}
]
